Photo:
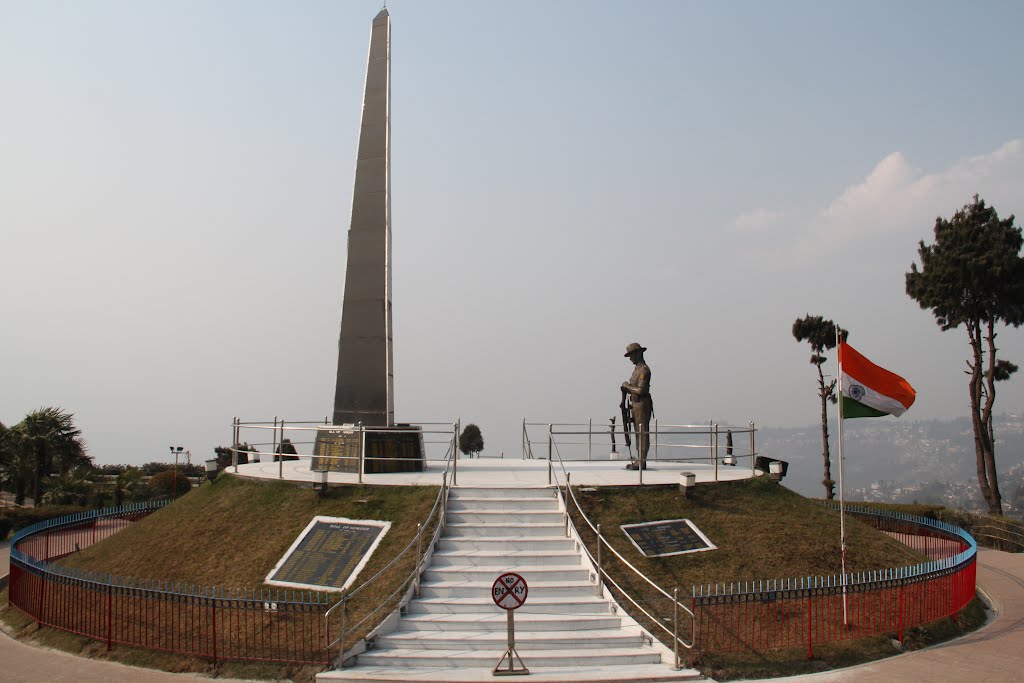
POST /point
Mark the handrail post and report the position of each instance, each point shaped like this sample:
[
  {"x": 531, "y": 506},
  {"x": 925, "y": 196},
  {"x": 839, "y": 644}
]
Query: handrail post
[
  {"x": 273, "y": 438},
  {"x": 565, "y": 498},
  {"x": 599, "y": 591},
  {"x": 455, "y": 453},
  {"x": 655, "y": 439},
  {"x": 675, "y": 626},
  {"x": 711, "y": 440},
  {"x": 715, "y": 441},
  {"x": 419, "y": 558},
  {"x": 234, "y": 443},
  {"x": 524, "y": 438},
  {"x": 362, "y": 451},
  {"x": 280, "y": 455},
  {"x": 341, "y": 634},
  {"x": 590, "y": 438},
  {"x": 550, "y": 439},
  {"x": 752, "y": 451}
]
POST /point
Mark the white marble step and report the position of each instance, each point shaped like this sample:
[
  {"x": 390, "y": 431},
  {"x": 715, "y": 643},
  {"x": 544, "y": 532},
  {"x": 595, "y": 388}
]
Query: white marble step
[
  {"x": 545, "y": 544},
  {"x": 461, "y": 657},
  {"x": 483, "y": 605},
  {"x": 531, "y": 573},
  {"x": 502, "y": 504},
  {"x": 500, "y": 531},
  {"x": 459, "y": 492},
  {"x": 497, "y": 620},
  {"x": 490, "y": 640},
  {"x": 505, "y": 557},
  {"x": 643, "y": 673},
  {"x": 505, "y": 517},
  {"x": 539, "y": 590}
]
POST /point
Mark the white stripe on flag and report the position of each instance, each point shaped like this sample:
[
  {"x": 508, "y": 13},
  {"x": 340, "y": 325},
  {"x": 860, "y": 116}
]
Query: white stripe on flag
[{"x": 871, "y": 398}]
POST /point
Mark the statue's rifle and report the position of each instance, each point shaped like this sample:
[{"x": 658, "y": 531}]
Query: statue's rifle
[{"x": 627, "y": 420}]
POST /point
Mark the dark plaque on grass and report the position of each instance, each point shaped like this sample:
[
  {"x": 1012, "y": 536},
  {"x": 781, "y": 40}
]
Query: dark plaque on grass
[
  {"x": 667, "y": 537},
  {"x": 329, "y": 553},
  {"x": 398, "y": 449}
]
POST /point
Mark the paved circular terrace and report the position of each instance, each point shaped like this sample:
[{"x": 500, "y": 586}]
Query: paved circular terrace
[{"x": 494, "y": 472}]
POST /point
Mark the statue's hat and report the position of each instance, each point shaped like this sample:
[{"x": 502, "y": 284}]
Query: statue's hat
[{"x": 634, "y": 347}]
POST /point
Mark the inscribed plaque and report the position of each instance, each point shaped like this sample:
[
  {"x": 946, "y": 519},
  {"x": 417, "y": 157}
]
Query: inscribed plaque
[
  {"x": 667, "y": 537},
  {"x": 329, "y": 553}
]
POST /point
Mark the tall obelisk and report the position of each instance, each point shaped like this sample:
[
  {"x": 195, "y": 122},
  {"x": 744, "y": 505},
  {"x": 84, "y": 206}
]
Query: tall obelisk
[{"x": 364, "y": 391}]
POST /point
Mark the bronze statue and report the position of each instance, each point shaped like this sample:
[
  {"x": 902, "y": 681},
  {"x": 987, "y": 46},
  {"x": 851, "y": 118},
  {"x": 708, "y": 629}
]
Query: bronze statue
[{"x": 638, "y": 387}]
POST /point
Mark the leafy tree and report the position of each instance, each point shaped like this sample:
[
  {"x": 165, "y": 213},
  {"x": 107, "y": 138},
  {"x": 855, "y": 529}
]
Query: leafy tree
[
  {"x": 74, "y": 487},
  {"x": 973, "y": 275},
  {"x": 821, "y": 335},
  {"x": 471, "y": 441},
  {"x": 129, "y": 487},
  {"x": 46, "y": 442},
  {"x": 170, "y": 483}
]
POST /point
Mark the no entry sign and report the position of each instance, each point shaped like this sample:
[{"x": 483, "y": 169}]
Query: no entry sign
[{"x": 509, "y": 591}]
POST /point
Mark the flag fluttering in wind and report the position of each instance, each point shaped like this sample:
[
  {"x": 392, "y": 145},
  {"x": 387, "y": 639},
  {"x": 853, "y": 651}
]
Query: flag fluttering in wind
[{"x": 868, "y": 390}]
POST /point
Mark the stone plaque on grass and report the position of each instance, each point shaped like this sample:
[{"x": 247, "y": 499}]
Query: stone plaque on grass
[
  {"x": 667, "y": 537},
  {"x": 328, "y": 554}
]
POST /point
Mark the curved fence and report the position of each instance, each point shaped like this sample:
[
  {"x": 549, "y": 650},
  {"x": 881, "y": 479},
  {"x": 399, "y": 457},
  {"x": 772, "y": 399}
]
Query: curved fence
[
  {"x": 809, "y": 611},
  {"x": 292, "y": 626},
  {"x": 202, "y": 621}
]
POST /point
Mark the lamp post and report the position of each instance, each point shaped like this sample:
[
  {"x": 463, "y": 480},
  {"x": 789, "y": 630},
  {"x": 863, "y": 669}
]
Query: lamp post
[{"x": 176, "y": 450}]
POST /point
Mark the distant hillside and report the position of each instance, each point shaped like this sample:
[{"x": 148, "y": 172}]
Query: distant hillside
[{"x": 927, "y": 461}]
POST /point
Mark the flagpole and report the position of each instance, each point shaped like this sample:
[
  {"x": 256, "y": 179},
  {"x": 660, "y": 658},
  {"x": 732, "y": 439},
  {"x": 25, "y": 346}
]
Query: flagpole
[{"x": 842, "y": 461}]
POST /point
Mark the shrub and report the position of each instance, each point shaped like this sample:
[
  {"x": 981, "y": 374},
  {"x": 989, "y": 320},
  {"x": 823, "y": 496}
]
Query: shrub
[{"x": 163, "y": 484}]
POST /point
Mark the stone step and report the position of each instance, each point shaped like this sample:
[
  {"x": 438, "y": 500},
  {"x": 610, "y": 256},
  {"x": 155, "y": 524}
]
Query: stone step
[
  {"x": 558, "y": 543},
  {"x": 500, "y": 531},
  {"x": 458, "y": 492},
  {"x": 508, "y": 518},
  {"x": 482, "y": 605},
  {"x": 531, "y": 573},
  {"x": 503, "y": 504},
  {"x": 509, "y": 558},
  {"x": 497, "y": 639},
  {"x": 642, "y": 673},
  {"x": 498, "y": 620},
  {"x": 539, "y": 590},
  {"x": 458, "y": 657}
]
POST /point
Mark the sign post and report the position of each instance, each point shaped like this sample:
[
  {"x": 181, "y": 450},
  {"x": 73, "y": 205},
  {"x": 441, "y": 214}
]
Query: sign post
[{"x": 509, "y": 593}]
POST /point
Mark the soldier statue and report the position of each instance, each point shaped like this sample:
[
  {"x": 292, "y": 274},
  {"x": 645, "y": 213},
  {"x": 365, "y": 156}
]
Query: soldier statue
[{"x": 638, "y": 389}]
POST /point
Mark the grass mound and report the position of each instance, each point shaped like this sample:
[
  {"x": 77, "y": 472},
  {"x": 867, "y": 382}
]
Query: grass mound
[
  {"x": 231, "y": 533},
  {"x": 762, "y": 530}
]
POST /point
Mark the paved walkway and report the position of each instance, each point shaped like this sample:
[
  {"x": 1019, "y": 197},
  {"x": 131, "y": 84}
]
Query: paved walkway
[{"x": 994, "y": 652}]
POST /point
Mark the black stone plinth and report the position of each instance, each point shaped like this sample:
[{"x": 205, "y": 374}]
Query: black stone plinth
[{"x": 399, "y": 449}]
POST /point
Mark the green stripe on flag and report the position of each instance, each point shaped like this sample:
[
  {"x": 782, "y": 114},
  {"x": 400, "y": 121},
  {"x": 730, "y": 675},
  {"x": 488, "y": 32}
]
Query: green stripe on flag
[{"x": 852, "y": 408}]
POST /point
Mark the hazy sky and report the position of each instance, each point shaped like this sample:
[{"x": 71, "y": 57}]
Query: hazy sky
[{"x": 568, "y": 177}]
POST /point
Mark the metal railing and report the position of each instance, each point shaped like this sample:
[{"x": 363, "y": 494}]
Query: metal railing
[
  {"x": 408, "y": 588},
  {"x": 711, "y": 443},
  {"x": 435, "y": 435},
  {"x": 567, "y": 494}
]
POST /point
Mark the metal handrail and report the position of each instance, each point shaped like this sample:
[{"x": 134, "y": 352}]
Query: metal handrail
[
  {"x": 603, "y": 575},
  {"x": 440, "y": 507}
]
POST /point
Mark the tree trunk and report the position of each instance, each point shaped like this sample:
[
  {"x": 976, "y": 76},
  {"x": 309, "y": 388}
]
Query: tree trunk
[
  {"x": 830, "y": 489},
  {"x": 981, "y": 423},
  {"x": 19, "y": 490}
]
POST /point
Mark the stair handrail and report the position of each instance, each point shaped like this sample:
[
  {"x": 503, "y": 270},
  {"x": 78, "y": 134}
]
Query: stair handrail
[
  {"x": 602, "y": 574},
  {"x": 440, "y": 507}
]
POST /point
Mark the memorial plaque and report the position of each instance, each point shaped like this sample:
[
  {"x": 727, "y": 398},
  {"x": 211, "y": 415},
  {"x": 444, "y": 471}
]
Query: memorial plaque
[
  {"x": 329, "y": 553},
  {"x": 399, "y": 449},
  {"x": 667, "y": 537},
  {"x": 336, "y": 449}
]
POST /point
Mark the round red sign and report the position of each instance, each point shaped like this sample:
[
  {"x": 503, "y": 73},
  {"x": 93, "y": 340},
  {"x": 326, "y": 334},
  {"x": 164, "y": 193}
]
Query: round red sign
[{"x": 509, "y": 591}]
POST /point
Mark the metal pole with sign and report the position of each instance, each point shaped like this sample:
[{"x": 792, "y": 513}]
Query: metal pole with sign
[{"x": 509, "y": 593}]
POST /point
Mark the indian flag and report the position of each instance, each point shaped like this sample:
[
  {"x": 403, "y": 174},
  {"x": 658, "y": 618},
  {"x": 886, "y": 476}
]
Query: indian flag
[{"x": 868, "y": 390}]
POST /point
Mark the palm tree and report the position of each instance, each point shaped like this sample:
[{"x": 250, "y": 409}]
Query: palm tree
[
  {"x": 54, "y": 443},
  {"x": 69, "y": 488}
]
